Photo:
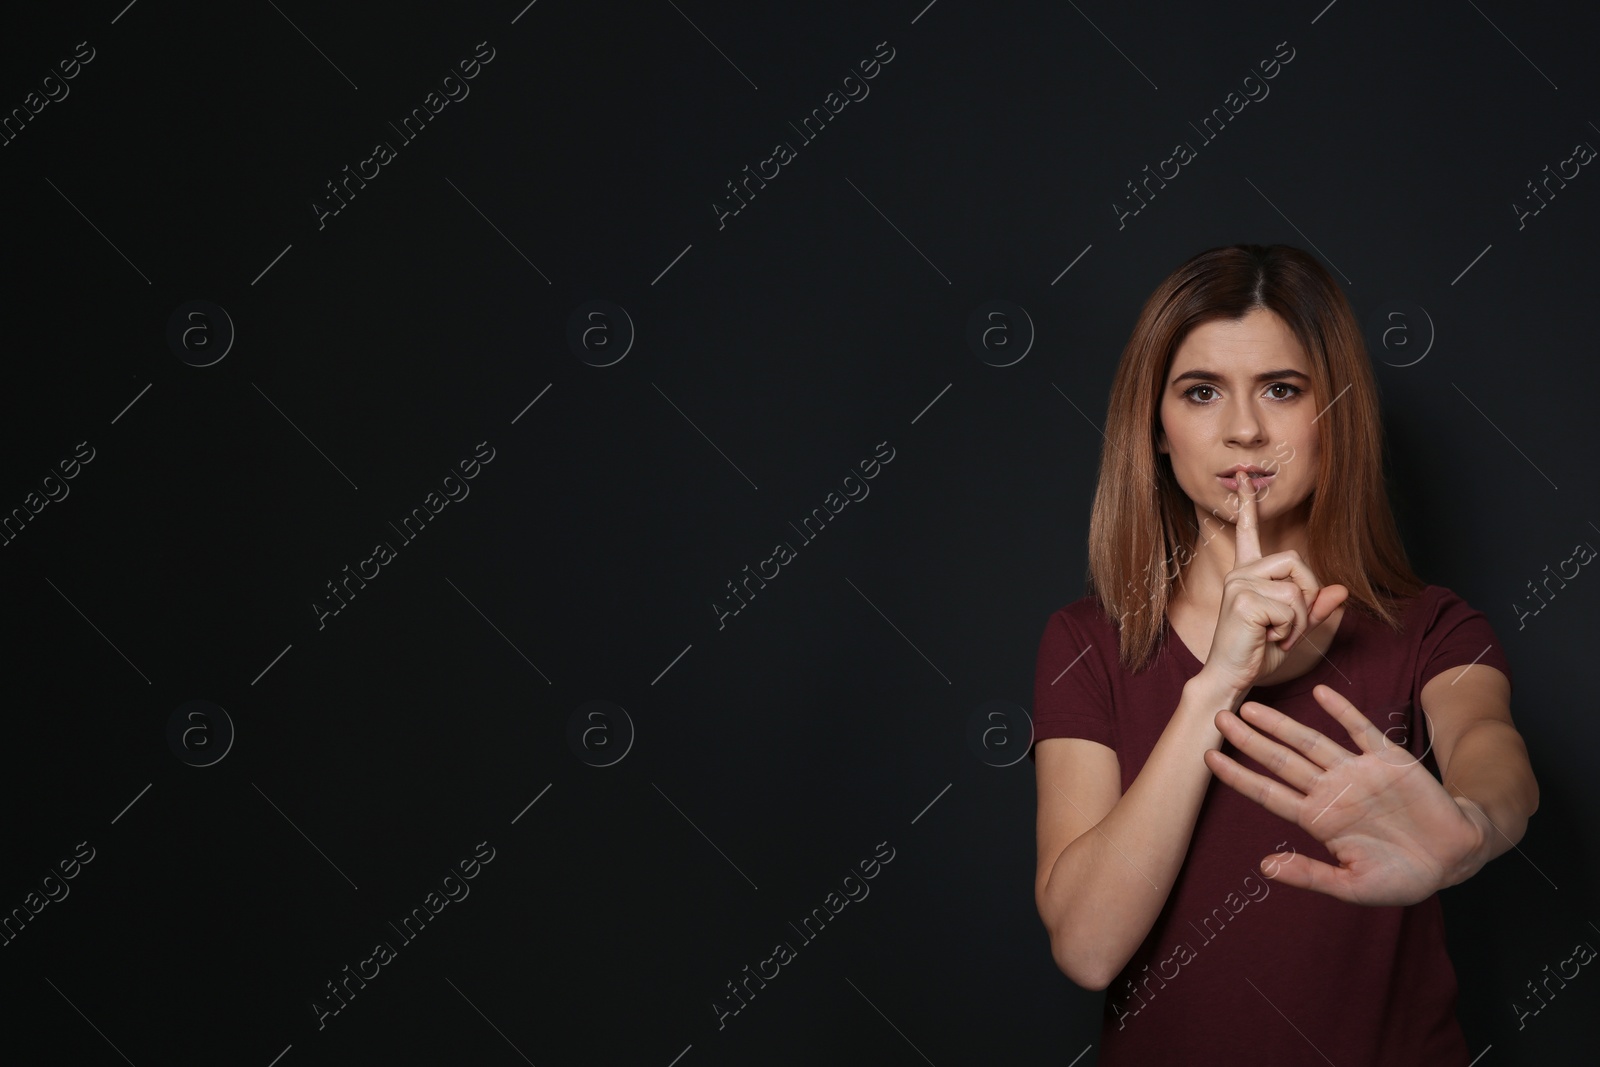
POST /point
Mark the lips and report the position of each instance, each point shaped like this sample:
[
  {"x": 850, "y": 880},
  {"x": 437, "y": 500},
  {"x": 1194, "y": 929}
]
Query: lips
[{"x": 1259, "y": 478}]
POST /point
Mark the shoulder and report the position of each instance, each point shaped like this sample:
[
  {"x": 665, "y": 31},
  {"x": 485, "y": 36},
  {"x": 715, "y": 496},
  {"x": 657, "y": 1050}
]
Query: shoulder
[
  {"x": 1088, "y": 616},
  {"x": 1432, "y": 604}
]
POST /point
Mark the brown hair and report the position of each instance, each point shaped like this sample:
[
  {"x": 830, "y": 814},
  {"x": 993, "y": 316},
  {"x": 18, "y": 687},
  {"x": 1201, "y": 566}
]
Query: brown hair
[{"x": 1134, "y": 532}]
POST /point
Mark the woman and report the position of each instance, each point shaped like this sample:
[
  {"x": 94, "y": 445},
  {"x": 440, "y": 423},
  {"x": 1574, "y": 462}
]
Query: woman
[{"x": 1255, "y": 880}]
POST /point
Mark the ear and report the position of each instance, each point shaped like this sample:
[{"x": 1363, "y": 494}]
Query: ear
[{"x": 1161, "y": 440}]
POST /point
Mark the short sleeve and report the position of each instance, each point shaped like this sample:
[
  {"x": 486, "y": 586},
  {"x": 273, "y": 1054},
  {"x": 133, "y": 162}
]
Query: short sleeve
[
  {"x": 1071, "y": 697},
  {"x": 1458, "y": 634}
]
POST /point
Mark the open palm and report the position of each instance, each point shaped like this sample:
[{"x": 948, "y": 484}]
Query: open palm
[{"x": 1398, "y": 835}]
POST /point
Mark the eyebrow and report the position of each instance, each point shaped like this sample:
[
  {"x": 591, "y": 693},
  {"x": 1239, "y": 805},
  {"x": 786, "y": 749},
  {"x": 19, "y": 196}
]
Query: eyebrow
[{"x": 1212, "y": 376}]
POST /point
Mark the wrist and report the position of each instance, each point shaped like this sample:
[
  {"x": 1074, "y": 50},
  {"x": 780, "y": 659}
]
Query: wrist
[
  {"x": 1216, "y": 696},
  {"x": 1479, "y": 854}
]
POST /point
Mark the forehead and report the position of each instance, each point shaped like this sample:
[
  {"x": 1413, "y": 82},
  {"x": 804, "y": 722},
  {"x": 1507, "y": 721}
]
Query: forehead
[{"x": 1257, "y": 340}]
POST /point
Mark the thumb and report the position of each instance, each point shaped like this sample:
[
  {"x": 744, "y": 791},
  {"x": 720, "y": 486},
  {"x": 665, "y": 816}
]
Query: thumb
[{"x": 1305, "y": 873}]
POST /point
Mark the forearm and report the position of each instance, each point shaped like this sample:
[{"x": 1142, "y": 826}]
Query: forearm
[
  {"x": 1107, "y": 887},
  {"x": 1493, "y": 783}
]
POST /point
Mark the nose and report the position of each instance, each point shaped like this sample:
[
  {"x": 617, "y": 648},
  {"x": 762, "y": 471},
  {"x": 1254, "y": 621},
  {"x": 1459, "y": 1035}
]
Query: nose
[{"x": 1244, "y": 421}]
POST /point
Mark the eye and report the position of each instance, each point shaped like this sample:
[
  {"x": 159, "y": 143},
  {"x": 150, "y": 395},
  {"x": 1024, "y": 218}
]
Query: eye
[{"x": 1294, "y": 391}]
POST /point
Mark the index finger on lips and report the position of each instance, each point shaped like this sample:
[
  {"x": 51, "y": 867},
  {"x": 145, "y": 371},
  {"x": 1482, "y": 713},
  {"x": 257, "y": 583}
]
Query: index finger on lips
[{"x": 1246, "y": 538}]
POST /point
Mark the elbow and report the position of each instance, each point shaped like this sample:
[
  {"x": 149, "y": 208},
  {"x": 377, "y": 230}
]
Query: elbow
[{"x": 1085, "y": 972}]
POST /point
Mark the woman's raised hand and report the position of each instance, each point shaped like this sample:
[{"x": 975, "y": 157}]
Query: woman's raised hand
[
  {"x": 1268, "y": 604},
  {"x": 1396, "y": 834}
]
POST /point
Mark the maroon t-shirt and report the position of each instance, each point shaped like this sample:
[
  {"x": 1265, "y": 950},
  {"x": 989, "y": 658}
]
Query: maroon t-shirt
[{"x": 1239, "y": 969}]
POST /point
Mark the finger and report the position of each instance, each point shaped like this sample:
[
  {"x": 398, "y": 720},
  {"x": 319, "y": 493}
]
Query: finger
[
  {"x": 1327, "y": 601},
  {"x": 1246, "y": 537},
  {"x": 1274, "y": 796},
  {"x": 1368, "y": 738},
  {"x": 1290, "y": 567},
  {"x": 1278, "y": 759},
  {"x": 1313, "y": 744},
  {"x": 1295, "y": 627},
  {"x": 1306, "y": 873}
]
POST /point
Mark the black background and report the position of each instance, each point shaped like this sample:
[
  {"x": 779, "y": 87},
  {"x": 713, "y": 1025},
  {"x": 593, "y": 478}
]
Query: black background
[{"x": 764, "y": 759}]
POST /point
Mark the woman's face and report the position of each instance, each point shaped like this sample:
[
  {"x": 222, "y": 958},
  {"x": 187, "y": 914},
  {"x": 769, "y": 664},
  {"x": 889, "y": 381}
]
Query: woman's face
[{"x": 1240, "y": 392}]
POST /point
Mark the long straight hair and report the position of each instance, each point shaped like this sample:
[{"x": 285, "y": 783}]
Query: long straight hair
[{"x": 1143, "y": 530}]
